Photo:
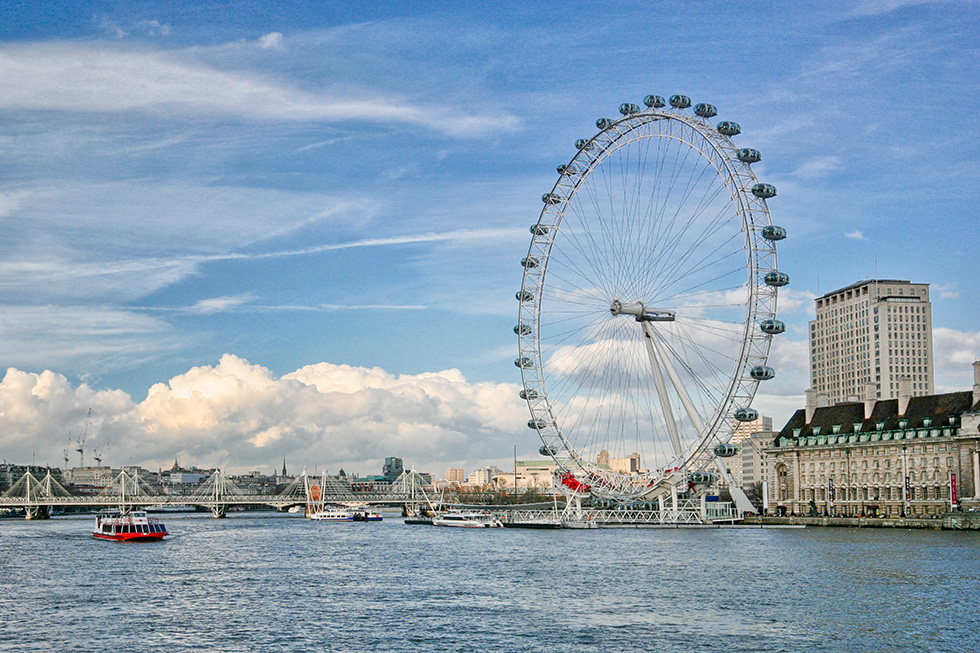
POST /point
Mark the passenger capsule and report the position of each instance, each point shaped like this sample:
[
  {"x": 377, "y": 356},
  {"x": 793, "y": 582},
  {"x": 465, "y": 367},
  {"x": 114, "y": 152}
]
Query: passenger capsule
[
  {"x": 523, "y": 296},
  {"x": 772, "y": 327},
  {"x": 539, "y": 229},
  {"x": 584, "y": 144},
  {"x": 551, "y": 198},
  {"x": 772, "y": 232},
  {"x": 680, "y": 101},
  {"x": 602, "y": 123},
  {"x": 705, "y": 110},
  {"x": 536, "y": 424},
  {"x": 530, "y": 262},
  {"x": 725, "y": 450},
  {"x": 547, "y": 451},
  {"x": 776, "y": 279},
  {"x": 746, "y": 414},
  {"x": 564, "y": 169},
  {"x": 701, "y": 478},
  {"x": 762, "y": 373},
  {"x": 748, "y": 155},
  {"x": 729, "y": 128},
  {"x": 628, "y": 109},
  {"x": 528, "y": 395},
  {"x": 524, "y": 362},
  {"x": 764, "y": 191},
  {"x": 654, "y": 101},
  {"x": 523, "y": 329}
]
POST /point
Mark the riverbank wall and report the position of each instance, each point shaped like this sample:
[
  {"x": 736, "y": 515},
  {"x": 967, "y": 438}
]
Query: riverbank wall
[{"x": 957, "y": 521}]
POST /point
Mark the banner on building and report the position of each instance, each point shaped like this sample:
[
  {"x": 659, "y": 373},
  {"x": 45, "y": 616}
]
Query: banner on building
[
  {"x": 830, "y": 490},
  {"x": 908, "y": 492},
  {"x": 953, "y": 498}
]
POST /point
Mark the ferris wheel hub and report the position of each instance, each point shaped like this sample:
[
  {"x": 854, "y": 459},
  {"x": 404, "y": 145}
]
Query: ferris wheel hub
[{"x": 641, "y": 312}]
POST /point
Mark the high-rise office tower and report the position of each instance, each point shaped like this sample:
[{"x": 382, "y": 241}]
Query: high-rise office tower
[{"x": 870, "y": 335}]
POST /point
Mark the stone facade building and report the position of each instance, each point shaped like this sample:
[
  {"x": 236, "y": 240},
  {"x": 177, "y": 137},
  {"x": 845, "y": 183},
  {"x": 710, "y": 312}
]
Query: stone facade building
[
  {"x": 872, "y": 332},
  {"x": 914, "y": 456}
]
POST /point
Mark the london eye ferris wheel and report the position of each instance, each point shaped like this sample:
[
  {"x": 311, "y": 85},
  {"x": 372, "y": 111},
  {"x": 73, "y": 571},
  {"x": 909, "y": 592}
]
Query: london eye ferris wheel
[{"x": 648, "y": 301}]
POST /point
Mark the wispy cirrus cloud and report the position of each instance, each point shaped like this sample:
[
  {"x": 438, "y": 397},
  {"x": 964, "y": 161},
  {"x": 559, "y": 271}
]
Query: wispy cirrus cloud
[
  {"x": 818, "y": 167},
  {"x": 69, "y": 77},
  {"x": 246, "y": 302},
  {"x": 271, "y": 41},
  {"x": 880, "y": 7}
]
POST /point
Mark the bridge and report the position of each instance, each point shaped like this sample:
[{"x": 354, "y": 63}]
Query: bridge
[{"x": 218, "y": 493}]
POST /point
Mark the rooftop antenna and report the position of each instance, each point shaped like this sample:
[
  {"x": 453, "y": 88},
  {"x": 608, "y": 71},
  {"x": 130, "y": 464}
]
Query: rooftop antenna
[{"x": 877, "y": 294}]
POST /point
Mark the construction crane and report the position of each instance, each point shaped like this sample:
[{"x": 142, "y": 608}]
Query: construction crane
[
  {"x": 97, "y": 452},
  {"x": 81, "y": 441}
]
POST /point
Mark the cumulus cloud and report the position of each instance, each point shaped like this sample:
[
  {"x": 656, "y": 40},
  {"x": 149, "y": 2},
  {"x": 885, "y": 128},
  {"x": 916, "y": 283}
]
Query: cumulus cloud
[
  {"x": 94, "y": 79},
  {"x": 955, "y": 349},
  {"x": 796, "y": 301},
  {"x": 241, "y": 416}
]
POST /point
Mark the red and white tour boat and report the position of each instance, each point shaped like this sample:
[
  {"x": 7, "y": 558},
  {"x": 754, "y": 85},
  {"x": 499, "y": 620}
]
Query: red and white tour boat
[{"x": 128, "y": 527}]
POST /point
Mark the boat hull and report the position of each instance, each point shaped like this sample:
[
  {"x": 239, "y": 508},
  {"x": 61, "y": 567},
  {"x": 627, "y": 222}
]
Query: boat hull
[{"x": 130, "y": 537}]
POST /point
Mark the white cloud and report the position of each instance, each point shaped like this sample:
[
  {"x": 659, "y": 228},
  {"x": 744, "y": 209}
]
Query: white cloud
[
  {"x": 946, "y": 291},
  {"x": 93, "y": 79},
  {"x": 271, "y": 41},
  {"x": 856, "y": 235},
  {"x": 955, "y": 349},
  {"x": 153, "y": 27},
  {"x": 220, "y": 304},
  {"x": 818, "y": 167},
  {"x": 792, "y": 301},
  {"x": 879, "y": 7},
  {"x": 99, "y": 338},
  {"x": 241, "y": 416}
]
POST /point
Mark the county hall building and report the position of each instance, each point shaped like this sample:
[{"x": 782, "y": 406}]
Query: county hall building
[{"x": 917, "y": 456}]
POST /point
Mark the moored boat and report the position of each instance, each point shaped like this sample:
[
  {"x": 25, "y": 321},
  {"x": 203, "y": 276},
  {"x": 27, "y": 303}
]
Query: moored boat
[
  {"x": 126, "y": 527},
  {"x": 345, "y": 514},
  {"x": 467, "y": 519},
  {"x": 171, "y": 507}
]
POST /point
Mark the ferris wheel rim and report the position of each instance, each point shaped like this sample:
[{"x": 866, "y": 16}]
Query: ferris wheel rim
[{"x": 760, "y": 304}]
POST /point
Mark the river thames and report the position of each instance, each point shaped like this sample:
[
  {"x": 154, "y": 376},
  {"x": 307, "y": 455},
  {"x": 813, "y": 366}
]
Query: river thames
[{"x": 270, "y": 582}]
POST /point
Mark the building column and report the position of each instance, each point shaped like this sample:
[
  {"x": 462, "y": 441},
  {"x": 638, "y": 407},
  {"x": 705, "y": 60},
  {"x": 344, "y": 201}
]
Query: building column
[
  {"x": 796, "y": 478},
  {"x": 975, "y": 454}
]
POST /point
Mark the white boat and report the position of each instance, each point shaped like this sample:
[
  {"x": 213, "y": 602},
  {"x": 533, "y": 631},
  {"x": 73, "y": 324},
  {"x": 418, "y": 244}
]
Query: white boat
[
  {"x": 467, "y": 519},
  {"x": 171, "y": 507},
  {"x": 345, "y": 514}
]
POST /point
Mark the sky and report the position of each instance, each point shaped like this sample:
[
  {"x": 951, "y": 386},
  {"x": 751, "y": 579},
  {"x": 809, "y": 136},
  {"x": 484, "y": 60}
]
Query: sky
[{"x": 237, "y": 233}]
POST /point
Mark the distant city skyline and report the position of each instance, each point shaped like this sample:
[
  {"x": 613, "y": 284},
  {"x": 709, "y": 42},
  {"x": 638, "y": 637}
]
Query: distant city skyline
[{"x": 242, "y": 232}]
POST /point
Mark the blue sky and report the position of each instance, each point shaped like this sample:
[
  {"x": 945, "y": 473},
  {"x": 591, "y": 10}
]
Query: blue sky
[{"x": 243, "y": 231}]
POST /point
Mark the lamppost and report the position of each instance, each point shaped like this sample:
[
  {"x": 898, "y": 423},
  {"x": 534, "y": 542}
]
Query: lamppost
[{"x": 905, "y": 484}]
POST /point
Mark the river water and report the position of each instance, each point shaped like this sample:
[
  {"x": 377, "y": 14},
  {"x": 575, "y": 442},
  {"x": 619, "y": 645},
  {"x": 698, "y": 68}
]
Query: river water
[{"x": 270, "y": 582}]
